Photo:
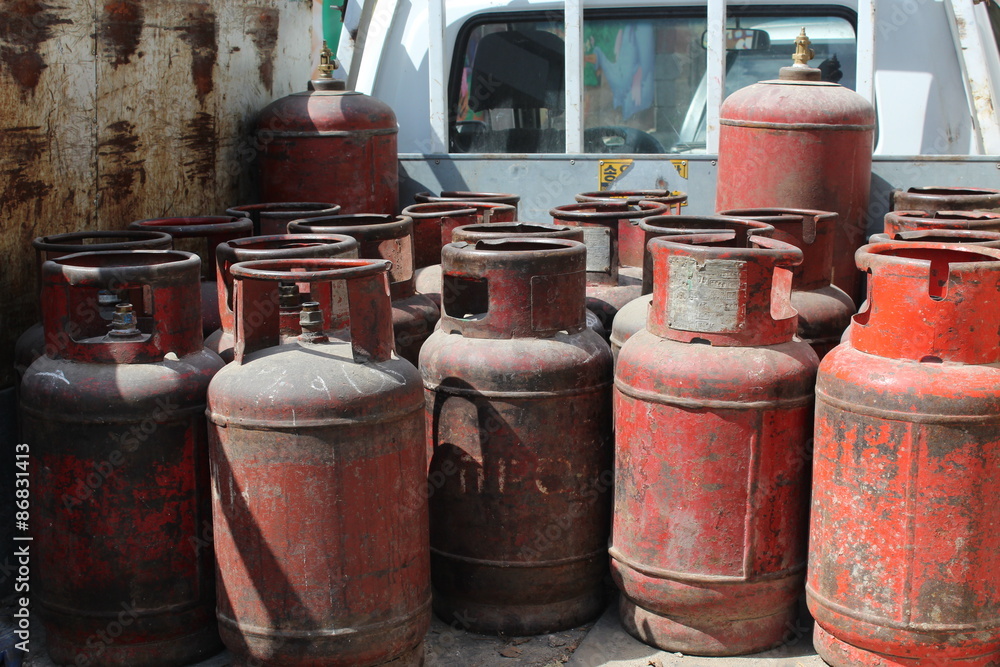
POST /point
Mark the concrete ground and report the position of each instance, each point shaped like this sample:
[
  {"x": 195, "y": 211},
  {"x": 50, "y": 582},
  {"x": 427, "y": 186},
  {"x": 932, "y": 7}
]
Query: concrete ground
[{"x": 603, "y": 642}]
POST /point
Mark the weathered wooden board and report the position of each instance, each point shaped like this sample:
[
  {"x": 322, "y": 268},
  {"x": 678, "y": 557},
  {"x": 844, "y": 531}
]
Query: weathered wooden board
[{"x": 116, "y": 110}]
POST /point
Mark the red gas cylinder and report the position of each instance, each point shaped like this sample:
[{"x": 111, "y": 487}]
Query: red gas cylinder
[
  {"x": 632, "y": 316},
  {"x": 713, "y": 415},
  {"x": 115, "y": 422},
  {"x": 610, "y": 285},
  {"x": 800, "y": 142},
  {"x": 290, "y": 298},
  {"x": 824, "y": 310},
  {"x": 516, "y": 230},
  {"x": 912, "y": 221},
  {"x": 904, "y": 551},
  {"x": 945, "y": 199},
  {"x": 519, "y": 519},
  {"x": 31, "y": 344},
  {"x": 318, "y": 473},
  {"x": 273, "y": 218},
  {"x": 964, "y": 236},
  {"x": 329, "y": 144},
  {"x": 464, "y": 196},
  {"x": 386, "y": 237},
  {"x": 214, "y": 230},
  {"x": 433, "y": 223}
]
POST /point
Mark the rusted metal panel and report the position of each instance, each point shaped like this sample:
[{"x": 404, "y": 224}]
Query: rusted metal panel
[
  {"x": 113, "y": 110},
  {"x": 903, "y": 547}
]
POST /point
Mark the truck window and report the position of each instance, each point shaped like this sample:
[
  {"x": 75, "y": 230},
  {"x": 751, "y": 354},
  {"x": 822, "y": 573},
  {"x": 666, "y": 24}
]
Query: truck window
[{"x": 644, "y": 76}]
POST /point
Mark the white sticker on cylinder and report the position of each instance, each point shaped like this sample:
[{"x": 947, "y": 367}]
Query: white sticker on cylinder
[
  {"x": 598, "y": 242},
  {"x": 709, "y": 297}
]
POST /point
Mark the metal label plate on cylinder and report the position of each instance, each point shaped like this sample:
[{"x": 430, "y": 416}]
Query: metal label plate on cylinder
[
  {"x": 598, "y": 242},
  {"x": 708, "y": 297}
]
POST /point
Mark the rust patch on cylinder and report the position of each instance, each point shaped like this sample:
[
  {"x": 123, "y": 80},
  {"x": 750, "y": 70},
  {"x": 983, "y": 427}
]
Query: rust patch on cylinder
[
  {"x": 23, "y": 148},
  {"x": 120, "y": 164},
  {"x": 201, "y": 143},
  {"x": 121, "y": 30},
  {"x": 24, "y": 26},
  {"x": 200, "y": 32},
  {"x": 265, "y": 38}
]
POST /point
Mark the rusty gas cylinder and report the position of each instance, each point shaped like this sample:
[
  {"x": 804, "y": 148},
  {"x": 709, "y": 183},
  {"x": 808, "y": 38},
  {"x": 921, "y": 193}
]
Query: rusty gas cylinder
[
  {"x": 983, "y": 237},
  {"x": 800, "y": 142},
  {"x": 911, "y": 221},
  {"x": 466, "y": 196},
  {"x": 519, "y": 518},
  {"x": 824, "y": 310},
  {"x": 904, "y": 555},
  {"x": 290, "y": 297},
  {"x": 713, "y": 415},
  {"x": 272, "y": 218},
  {"x": 517, "y": 230},
  {"x": 214, "y": 230},
  {"x": 609, "y": 284},
  {"x": 115, "y": 420},
  {"x": 434, "y": 221},
  {"x": 329, "y": 144},
  {"x": 932, "y": 199},
  {"x": 632, "y": 316},
  {"x": 386, "y": 237},
  {"x": 31, "y": 344},
  {"x": 318, "y": 474},
  {"x": 629, "y": 237}
]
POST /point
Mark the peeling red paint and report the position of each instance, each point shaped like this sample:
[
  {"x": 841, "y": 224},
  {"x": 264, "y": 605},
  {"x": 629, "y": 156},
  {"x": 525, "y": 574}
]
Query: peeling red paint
[
  {"x": 265, "y": 38},
  {"x": 24, "y": 26},
  {"x": 121, "y": 30},
  {"x": 200, "y": 32}
]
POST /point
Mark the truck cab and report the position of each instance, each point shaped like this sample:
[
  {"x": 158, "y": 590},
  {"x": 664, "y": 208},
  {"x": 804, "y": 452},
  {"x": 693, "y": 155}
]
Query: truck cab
[{"x": 537, "y": 97}]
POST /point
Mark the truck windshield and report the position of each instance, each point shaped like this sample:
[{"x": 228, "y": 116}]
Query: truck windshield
[{"x": 644, "y": 77}]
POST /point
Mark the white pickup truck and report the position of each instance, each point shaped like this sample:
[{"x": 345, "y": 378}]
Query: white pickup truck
[{"x": 535, "y": 97}]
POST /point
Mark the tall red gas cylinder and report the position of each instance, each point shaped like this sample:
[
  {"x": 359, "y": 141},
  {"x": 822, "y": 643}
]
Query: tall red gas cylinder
[
  {"x": 115, "y": 421},
  {"x": 932, "y": 199},
  {"x": 386, "y": 237},
  {"x": 713, "y": 416},
  {"x": 519, "y": 440},
  {"x": 272, "y": 218},
  {"x": 610, "y": 284},
  {"x": 912, "y": 221},
  {"x": 31, "y": 344},
  {"x": 904, "y": 552},
  {"x": 824, "y": 310},
  {"x": 290, "y": 297},
  {"x": 329, "y": 144},
  {"x": 466, "y": 196},
  {"x": 318, "y": 473},
  {"x": 213, "y": 230},
  {"x": 632, "y": 316},
  {"x": 800, "y": 142}
]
